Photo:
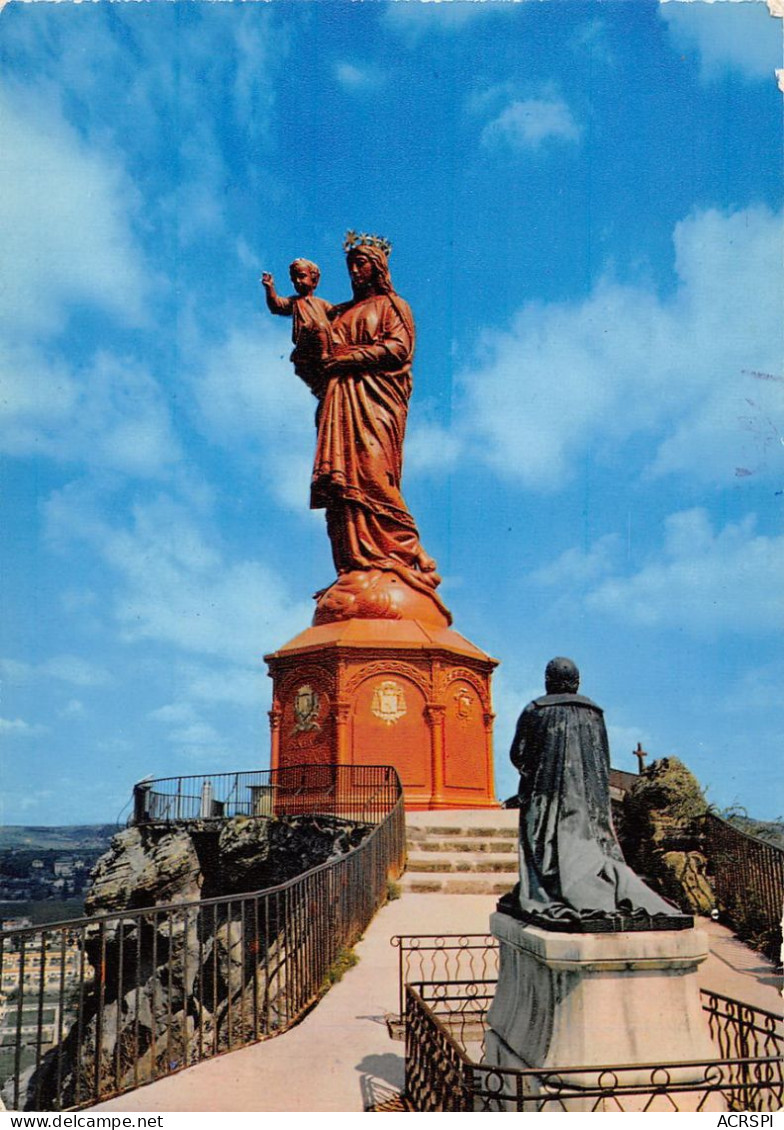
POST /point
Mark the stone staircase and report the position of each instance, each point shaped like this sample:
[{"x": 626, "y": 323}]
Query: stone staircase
[{"x": 468, "y": 852}]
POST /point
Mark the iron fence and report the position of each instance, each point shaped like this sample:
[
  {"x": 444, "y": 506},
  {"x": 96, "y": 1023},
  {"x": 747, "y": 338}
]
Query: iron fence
[
  {"x": 445, "y": 1028},
  {"x": 747, "y": 875},
  {"x": 440, "y": 957},
  {"x": 95, "y": 1007},
  {"x": 353, "y": 792}
]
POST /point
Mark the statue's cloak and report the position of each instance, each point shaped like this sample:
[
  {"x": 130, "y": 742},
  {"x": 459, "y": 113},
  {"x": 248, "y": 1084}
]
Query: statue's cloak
[
  {"x": 361, "y": 424},
  {"x": 571, "y": 865}
]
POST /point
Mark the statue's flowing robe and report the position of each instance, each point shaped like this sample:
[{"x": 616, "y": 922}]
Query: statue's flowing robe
[
  {"x": 361, "y": 425},
  {"x": 571, "y": 864}
]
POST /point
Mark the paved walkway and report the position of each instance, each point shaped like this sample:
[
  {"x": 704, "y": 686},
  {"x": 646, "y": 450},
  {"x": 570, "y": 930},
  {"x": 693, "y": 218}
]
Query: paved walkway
[{"x": 340, "y": 1058}]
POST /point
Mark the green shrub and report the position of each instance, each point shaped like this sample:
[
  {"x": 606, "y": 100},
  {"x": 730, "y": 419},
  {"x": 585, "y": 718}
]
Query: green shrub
[{"x": 345, "y": 960}]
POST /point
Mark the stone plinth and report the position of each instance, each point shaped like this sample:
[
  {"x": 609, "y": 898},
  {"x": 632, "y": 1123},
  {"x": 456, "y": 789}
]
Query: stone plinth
[
  {"x": 569, "y": 1000},
  {"x": 388, "y": 692}
]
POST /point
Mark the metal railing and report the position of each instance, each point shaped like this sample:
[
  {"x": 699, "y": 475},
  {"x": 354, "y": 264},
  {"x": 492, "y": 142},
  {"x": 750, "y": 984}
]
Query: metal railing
[
  {"x": 354, "y": 792},
  {"x": 446, "y": 1023},
  {"x": 103, "y": 1005},
  {"x": 747, "y": 875},
  {"x": 441, "y": 957}
]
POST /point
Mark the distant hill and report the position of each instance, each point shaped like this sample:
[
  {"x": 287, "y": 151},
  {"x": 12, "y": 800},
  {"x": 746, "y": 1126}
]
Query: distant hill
[
  {"x": 772, "y": 831},
  {"x": 75, "y": 837},
  {"x": 41, "y": 913}
]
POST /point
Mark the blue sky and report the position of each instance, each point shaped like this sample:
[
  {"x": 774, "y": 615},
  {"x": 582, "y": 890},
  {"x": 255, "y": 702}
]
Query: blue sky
[{"x": 585, "y": 205}]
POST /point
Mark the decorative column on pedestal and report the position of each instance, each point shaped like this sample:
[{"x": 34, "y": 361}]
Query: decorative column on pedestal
[{"x": 380, "y": 677}]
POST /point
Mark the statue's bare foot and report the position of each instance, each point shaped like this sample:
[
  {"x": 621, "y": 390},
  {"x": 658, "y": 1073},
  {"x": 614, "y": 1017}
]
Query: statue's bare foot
[{"x": 425, "y": 562}]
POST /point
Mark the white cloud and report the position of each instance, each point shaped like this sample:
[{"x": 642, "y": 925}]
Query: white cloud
[
  {"x": 591, "y": 38},
  {"x": 727, "y": 315},
  {"x": 198, "y": 733},
  {"x": 71, "y": 219},
  {"x": 431, "y": 447},
  {"x": 355, "y": 78},
  {"x": 262, "y": 49},
  {"x": 64, "y": 223},
  {"x": 115, "y": 746},
  {"x": 742, "y": 37},
  {"x": 698, "y": 371},
  {"x": 14, "y": 672},
  {"x": 125, "y": 84},
  {"x": 413, "y": 18},
  {"x": 73, "y": 669},
  {"x": 527, "y": 124},
  {"x": 250, "y": 398},
  {"x": 704, "y": 581},
  {"x": 577, "y": 567},
  {"x": 623, "y": 741},
  {"x": 488, "y": 99},
  {"x": 20, "y": 728},
  {"x": 176, "y": 585},
  {"x": 227, "y": 611},
  {"x": 242, "y": 686},
  {"x": 73, "y": 709},
  {"x": 248, "y": 256},
  {"x": 67, "y": 668},
  {"x": 177, "y": 712},
  {"x": 190, "y": 729},
  {"x": 542, "y": 391},
  {"x": 28, "y": 801},
  {"x": 196, "y": 210},
  {"x": 757, "y": 690},
  {"x": 111, "y": 414}
]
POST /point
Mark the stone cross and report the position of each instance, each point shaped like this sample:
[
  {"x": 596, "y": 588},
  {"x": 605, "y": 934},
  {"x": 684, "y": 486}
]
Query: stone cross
[{"x": 640, "y": 754}]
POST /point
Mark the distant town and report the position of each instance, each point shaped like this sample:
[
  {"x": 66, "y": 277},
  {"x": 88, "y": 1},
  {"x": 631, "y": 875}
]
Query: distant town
[{"x": 45, "y": 872}]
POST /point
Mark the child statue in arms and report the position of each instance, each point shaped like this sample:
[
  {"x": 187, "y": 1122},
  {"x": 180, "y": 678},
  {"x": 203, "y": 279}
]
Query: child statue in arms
[{"x": 310, "y": 331}]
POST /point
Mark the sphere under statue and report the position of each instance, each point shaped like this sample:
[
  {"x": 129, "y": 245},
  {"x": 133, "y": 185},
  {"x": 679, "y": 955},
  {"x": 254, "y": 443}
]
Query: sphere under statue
[{"x": 385, "y": 679}]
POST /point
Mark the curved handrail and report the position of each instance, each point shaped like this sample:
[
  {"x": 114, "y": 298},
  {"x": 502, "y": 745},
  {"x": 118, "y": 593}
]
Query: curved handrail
[
  {"x": 156, "y": 989},
  {"x": 356, "y": 792},
  {"x": 747, "y": 875}
]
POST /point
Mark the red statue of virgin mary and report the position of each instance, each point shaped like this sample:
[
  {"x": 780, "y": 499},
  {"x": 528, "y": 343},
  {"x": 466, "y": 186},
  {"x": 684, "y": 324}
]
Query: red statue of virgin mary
[
  {"x": 379, "y": 678},
  {"x": 364, "y": 385}
]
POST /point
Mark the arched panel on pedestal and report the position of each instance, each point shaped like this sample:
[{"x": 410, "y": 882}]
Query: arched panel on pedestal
[
  {"x": 306, "y": 732},
  {"x": 389, "y": 727},
  {"x": 466, "y": 736}
]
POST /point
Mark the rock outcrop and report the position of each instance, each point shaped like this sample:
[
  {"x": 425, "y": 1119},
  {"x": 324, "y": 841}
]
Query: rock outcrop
[
  {"x": 176, "y": 970},
  {"x": 145, "y": 866},
  {"x": 659, "y": 831}
]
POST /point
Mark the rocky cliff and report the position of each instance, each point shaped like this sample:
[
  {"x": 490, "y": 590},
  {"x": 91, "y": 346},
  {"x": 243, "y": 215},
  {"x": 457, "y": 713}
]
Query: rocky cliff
[
  {"x": 175, "y": 970},
  {"x": 659, "y": 829}
]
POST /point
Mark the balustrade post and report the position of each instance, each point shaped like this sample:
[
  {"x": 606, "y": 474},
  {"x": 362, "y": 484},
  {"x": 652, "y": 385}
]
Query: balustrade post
[{"x": 141, "y": 802}]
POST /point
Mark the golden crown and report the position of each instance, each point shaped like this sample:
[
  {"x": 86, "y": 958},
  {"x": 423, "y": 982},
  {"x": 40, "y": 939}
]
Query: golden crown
[{"x": 364, "y": 239}]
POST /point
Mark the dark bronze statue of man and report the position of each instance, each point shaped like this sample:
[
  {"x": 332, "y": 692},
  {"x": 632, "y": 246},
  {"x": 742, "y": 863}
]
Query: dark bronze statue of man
[{"x": 572, "y": 872}]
